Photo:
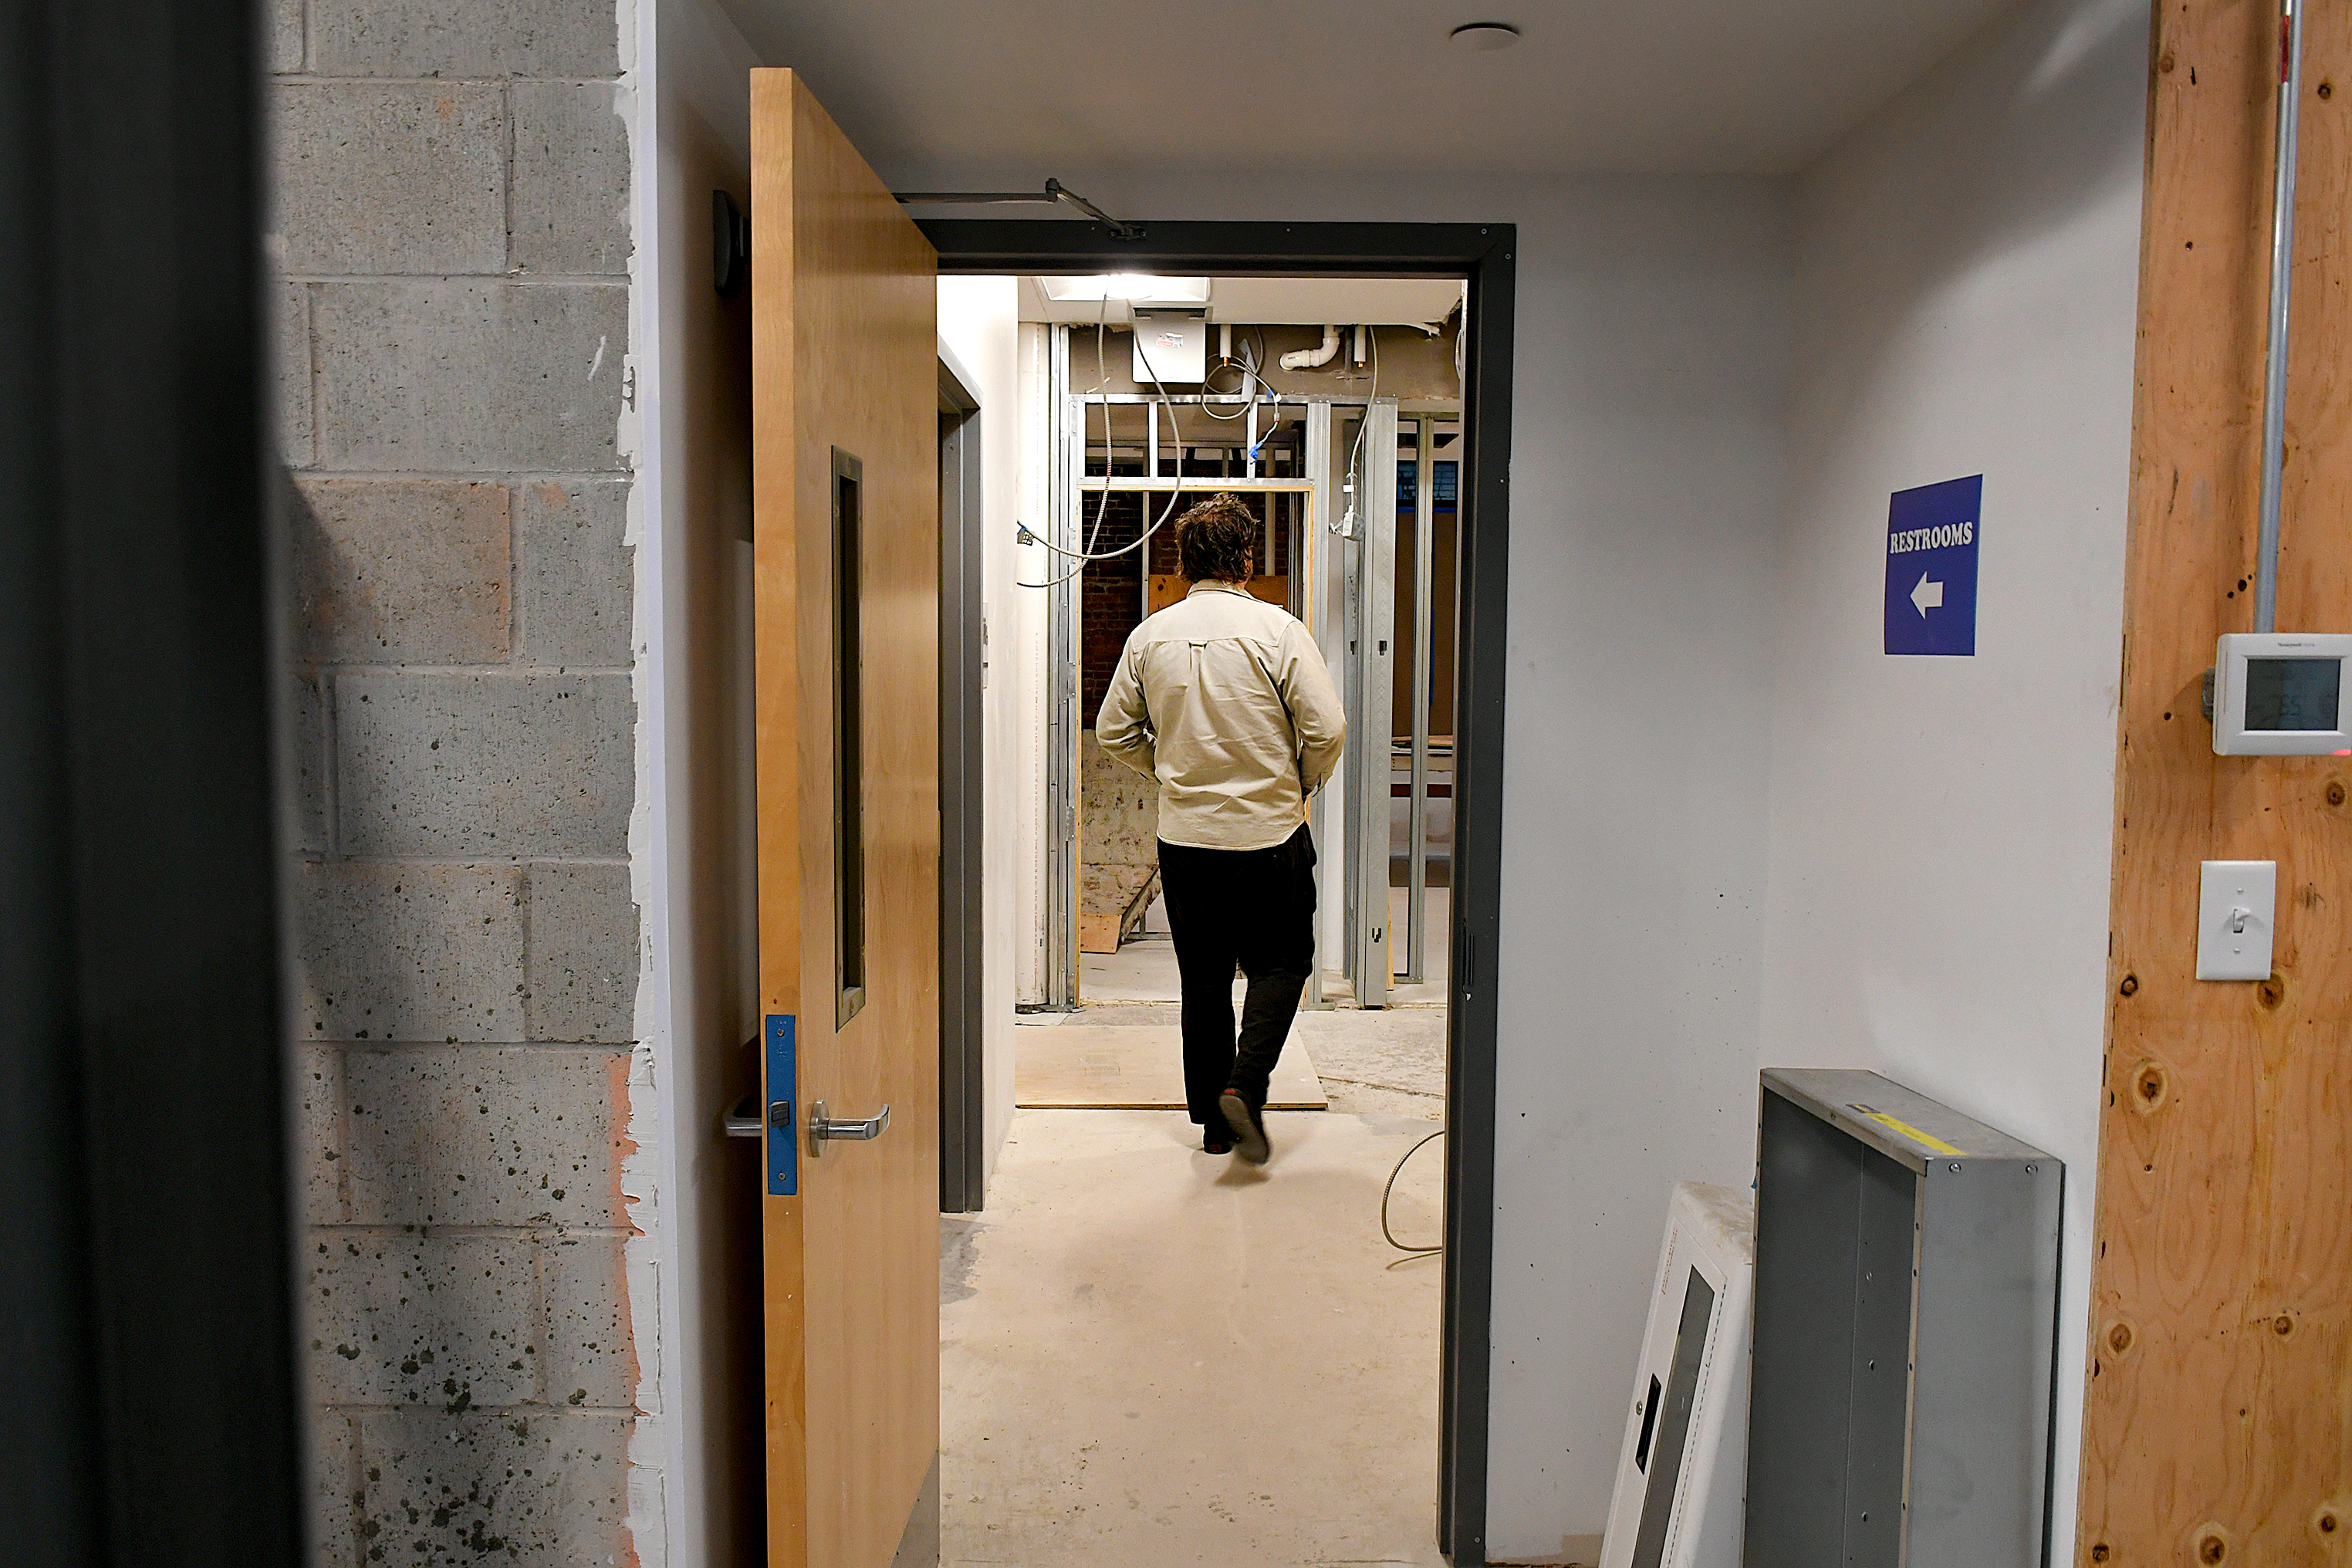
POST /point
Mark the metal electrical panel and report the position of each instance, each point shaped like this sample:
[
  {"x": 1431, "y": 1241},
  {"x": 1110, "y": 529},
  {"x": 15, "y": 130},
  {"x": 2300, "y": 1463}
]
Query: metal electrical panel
[{"x": 1906, "y": 1330}]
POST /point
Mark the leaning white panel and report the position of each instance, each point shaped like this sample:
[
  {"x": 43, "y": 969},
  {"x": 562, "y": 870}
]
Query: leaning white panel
[{"x": 1682, "y": 1470}]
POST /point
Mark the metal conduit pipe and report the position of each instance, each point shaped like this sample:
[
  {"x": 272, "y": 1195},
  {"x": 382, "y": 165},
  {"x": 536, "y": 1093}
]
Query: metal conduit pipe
[
  {"x": 1311, "y": 359},
  {"x": 2290, "y": 107}
]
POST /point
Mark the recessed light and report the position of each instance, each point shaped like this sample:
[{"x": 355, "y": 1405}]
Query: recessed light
[
  {"x": 1485, "y": 37},
  {"x": 1132, "y": 285}
]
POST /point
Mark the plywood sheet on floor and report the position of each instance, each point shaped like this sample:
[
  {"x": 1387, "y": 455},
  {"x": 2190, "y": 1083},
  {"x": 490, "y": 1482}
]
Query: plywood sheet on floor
[
  {"x": 1153, "y": 1356},
  {"x": 1096, "y": 1066}
]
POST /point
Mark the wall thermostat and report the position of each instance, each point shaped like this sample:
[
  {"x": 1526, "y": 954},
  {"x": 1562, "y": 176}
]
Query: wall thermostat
[{"x": 2277, "y": 694}]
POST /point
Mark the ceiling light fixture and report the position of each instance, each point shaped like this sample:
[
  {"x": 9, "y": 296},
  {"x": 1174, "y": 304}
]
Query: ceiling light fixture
[
  {"x": 1130, "y": 286},
  {"x": 1484, "y": 37}
]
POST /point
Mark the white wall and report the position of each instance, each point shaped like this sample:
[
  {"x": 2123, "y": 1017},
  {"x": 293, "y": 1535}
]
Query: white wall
[
  {"x": 1647, "y": 482},
  {"x": 979, "y": 321},
  {"x": 697, "y": 1477},
  {"x": 1966, "y": 279},
  {"x": 1024, "y": 671}
]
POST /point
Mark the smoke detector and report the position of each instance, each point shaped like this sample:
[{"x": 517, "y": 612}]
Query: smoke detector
[{"x": 1484, "y": 37}]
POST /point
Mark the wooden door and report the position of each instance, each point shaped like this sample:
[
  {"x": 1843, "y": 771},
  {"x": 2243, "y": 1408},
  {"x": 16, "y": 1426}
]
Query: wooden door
[{"x": 845, "y": 561}]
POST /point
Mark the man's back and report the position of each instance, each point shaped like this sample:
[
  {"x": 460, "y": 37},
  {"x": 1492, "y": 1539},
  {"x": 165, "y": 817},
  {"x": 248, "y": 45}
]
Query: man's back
[{"x": 1225, "y": 700}]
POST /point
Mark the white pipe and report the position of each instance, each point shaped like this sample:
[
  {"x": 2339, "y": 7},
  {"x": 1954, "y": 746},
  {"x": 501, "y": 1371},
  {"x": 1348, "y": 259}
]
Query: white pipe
[
  {"x": 1360, "y": 348},
  {"x": 1310, "y": 359}
]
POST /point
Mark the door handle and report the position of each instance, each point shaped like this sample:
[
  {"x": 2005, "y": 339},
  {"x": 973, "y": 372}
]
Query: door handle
[
  {"x": 822, "y": 1128},
  {"x": 744, "y": 1120}
]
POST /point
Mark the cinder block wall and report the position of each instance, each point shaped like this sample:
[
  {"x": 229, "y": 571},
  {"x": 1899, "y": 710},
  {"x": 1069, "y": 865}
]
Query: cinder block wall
[{"x": 452, "y": 242}]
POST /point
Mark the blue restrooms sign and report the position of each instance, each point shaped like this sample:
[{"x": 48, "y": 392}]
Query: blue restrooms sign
[{"x": 1931, "y": 567}]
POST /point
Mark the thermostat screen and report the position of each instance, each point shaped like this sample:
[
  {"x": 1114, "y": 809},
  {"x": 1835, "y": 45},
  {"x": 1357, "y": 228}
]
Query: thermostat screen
[{"x": 2292, "y": 693}]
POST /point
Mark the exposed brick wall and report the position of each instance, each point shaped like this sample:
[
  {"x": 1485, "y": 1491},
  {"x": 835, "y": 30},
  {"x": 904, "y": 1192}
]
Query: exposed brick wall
[
  {"x": 1110, "y": 596},
  {"x": 451, "y": 233},
  {"x": 1111, "y": 593}
]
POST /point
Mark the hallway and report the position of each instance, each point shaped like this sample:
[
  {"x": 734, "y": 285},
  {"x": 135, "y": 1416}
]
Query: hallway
[{"x": 1151, "y": 1356}]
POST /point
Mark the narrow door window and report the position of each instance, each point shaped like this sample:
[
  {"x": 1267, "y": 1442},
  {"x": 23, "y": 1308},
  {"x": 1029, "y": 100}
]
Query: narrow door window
[{"x": 848, "y": 741}]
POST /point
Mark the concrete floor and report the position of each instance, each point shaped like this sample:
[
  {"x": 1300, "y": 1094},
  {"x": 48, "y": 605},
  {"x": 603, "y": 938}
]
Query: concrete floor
[{"x": 1155, "y": 1356}]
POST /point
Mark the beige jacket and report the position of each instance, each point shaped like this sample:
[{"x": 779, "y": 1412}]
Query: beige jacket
[{"x": 1225, "y": 699}]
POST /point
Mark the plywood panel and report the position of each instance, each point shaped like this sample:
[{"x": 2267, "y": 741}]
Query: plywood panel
[
  {"x": 1170, "y": 588},
  {"x": 844, "y": 359},
  {"x": 2221, "y": 1369}
]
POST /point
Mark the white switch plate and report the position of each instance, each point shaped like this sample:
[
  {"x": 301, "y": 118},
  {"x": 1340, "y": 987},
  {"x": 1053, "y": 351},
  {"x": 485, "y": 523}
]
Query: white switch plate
[{"x": 2241, "y": 893}]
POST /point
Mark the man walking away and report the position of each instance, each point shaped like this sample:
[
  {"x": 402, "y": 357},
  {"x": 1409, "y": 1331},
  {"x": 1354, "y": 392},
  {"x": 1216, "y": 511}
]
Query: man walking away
[{"x": 1225, "y": 699}]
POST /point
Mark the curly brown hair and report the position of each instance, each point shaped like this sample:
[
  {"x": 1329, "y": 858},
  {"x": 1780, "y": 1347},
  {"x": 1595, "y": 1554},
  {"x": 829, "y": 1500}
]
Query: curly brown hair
[{"x": 1213, "y": 540}]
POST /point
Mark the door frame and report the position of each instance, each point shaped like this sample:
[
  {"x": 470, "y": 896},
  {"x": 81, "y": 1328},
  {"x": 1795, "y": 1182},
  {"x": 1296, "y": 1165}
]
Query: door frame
[
  {"x": 1483, "y": 253},
  {"x": 963, "y": 1109}
]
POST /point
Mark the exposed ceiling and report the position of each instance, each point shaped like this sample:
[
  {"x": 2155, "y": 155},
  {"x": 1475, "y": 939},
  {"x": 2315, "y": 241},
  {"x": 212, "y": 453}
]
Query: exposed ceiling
[{"x": 1024, "y": 89}]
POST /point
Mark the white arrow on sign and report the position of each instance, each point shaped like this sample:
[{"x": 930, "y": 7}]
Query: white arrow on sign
[{"x": 1927, "y": 595}]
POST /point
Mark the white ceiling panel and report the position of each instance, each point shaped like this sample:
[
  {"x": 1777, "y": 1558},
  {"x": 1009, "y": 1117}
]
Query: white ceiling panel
[{"x": 1226, "y": 88}]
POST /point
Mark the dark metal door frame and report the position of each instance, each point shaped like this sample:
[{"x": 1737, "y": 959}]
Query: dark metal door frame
[
  {"x": 963, "y": 1112},
  {"x": 1483, "y": 254}
]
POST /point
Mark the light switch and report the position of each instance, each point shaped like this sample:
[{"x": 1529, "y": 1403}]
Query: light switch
[{"x": 2237, "y": 910}]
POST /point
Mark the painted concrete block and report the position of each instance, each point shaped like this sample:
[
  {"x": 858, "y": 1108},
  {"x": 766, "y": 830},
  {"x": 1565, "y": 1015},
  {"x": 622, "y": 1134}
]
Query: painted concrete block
[
  {"x": 461, "y": 764},
  {"x": 464, "y": 38},
  {"x": 444, "y": 1322},
  {"x": 407, "y": 952},
  {"x": 590, "y": 1358},
  {"x": 464, "y": 375},
  {"x": 485, "y": 1135},
  {"x": 319, "y": 1161},
  {"x": 570, "y": 210},
  {"x": 285, "y": 35},
  {"x": 389, "y": 177},
  {"x": 306, "y": 707},
  {"x": 290, "y": 364},
  {"x": 526, "y": 1489},
  {"x": 401, "y": 571},
  {"x": 580, "y": 962},
  {"x": 334, "y": 1460},
  {"x": 575, "y": 579}
]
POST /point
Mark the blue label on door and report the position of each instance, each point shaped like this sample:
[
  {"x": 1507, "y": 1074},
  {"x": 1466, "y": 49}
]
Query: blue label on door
[
  {"x": 1932, "y": 535},
  {"x": 783, "y": 1119}
]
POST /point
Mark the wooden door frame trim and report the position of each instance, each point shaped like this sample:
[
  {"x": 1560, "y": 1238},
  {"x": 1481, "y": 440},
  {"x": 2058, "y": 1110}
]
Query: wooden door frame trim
[{"x": 1483, "y": 253}]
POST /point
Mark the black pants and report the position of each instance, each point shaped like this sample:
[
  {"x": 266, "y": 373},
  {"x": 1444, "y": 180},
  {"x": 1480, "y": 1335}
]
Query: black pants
[{"x": 1254, "y": 908}]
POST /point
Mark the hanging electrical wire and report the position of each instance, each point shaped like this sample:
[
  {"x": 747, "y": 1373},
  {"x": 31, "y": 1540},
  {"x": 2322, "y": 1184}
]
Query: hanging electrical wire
[
  {"x": 1391, "y": 1188},
  {"x": 1345, "y": 527},
  {"x": 1253, "y": 382},
  {"x": 1176, "y": 438}
]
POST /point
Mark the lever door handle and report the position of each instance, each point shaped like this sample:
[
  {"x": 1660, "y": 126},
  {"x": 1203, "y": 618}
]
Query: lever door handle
[
  {"x": 824, "y": 1128},
  {"x": 745, "y": 1121}
]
